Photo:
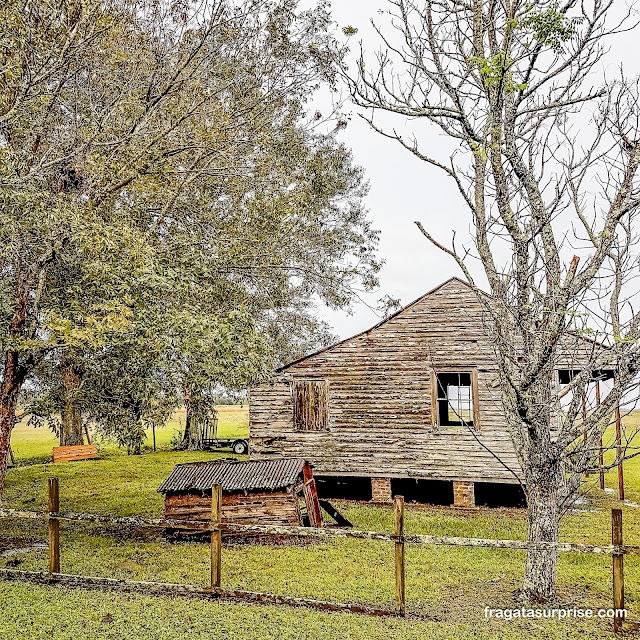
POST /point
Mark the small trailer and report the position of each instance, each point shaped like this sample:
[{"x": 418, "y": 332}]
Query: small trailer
[
  {"x": 239, "y": 446},
  {"x": 210, "y": 440}
]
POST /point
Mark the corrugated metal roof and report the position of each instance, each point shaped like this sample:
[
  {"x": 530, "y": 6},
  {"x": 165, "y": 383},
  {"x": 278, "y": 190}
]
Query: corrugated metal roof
[{"x": 234, "y": 475}]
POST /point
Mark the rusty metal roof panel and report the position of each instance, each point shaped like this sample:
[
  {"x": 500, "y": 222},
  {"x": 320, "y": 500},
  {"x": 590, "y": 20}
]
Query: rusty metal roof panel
[{"x": 234, "y": 475}]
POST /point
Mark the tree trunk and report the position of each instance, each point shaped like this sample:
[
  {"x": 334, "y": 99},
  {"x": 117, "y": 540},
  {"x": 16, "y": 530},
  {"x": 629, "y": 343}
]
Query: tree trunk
[
  {"x": 71, "y": 431},
  {"x": 193, "y": 436},
  {"x": 191, "y": 439},
  {"x": 7, "y": 420},
  {"x": 543, "y": 484},
  {"x": 71, "y": 411},
  {"x": 12, "y": 380},
  {"x": 187, "y": 425}
]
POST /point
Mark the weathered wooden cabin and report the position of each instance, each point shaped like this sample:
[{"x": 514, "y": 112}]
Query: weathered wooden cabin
[
  {"x": 275, "y": 492},
  {"x": 411, "y": 405}
]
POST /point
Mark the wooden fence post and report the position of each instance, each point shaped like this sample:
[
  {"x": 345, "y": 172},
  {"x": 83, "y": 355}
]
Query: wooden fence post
[
  {"x": 618, "y": 569},
  {"x": 216, "y": 536},
  {"x": 619, "y": 453},
  {"x": 398, "y": 529},
  {"x": 53, "y": 526}
]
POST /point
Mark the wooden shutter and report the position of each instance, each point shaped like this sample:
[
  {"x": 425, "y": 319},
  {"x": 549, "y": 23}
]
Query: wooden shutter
[
  {"x": 434, "y": 399},
  {"x": 475, "y": 400},
  {"x": 310, "y": 405}
]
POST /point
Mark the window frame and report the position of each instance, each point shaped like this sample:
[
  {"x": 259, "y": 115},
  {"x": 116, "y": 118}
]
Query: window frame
[{"x": 474, "y": 400}]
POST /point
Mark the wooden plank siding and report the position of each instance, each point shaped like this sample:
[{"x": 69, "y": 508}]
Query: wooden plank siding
[
  {"x": 380, "y": 399},
  {"x": 273, "y": 508}
]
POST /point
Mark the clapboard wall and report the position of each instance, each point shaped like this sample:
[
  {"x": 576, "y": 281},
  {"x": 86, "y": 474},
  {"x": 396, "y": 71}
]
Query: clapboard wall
[
  {"x": 379, "y": 399},
  {"x": 273, "y": 508}
]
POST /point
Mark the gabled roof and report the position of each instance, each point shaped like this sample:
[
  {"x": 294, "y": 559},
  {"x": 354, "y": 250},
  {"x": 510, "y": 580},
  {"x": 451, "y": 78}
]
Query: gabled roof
[
  {"x": 411, "y": 304},
  {"x": 391, "y": 317},
  {"x": 234, "y": 475}
]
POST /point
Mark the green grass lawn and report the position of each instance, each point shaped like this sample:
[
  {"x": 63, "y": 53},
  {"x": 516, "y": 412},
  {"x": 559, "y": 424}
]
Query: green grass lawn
[{"x": 447, "y": 588}]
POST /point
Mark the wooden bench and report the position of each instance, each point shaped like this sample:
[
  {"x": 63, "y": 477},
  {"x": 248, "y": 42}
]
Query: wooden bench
[{"x": 80, "y": 452}]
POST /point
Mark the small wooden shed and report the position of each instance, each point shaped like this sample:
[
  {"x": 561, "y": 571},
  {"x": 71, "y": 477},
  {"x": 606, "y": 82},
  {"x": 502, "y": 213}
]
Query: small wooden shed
[{"x": 275, "y": 492}]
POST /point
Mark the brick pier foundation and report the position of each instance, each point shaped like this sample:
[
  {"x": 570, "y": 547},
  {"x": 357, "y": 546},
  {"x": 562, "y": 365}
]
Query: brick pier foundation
[
  {"x": 381, "y": 490},
  {"x": 463, "y": 495}
]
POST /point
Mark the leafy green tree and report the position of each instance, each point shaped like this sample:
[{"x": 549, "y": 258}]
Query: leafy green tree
[
  {"x": 224, "y": 255},
  {"x": 130, "y": 134}
]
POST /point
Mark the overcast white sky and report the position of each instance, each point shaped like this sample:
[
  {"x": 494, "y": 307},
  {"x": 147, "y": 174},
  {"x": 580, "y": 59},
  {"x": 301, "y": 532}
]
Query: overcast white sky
[{"x": 404, "y": 189}]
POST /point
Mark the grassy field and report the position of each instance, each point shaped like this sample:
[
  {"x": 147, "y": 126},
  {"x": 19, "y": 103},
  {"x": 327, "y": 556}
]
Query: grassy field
[
  {"x": 447, "y": 588},
  {"x": 34, "y": 445}
]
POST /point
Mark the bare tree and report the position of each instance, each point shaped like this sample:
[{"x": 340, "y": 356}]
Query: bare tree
[{"x": 547, "y": 166}]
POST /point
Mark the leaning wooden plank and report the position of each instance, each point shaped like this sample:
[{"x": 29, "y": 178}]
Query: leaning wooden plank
[
  {"x": 339, "y": 519},
  {"x": 158, "y": 588},
  {"x": 311, "y": 497}
]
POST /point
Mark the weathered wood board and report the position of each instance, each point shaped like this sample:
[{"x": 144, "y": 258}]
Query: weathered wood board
[
  {"x": 279, "y": 507},
  {"x": 80, "y": 452}
]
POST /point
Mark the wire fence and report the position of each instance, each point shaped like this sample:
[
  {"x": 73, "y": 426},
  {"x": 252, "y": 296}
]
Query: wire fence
[{"x": 216, "y": 527}]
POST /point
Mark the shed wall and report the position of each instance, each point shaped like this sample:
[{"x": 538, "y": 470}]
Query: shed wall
[{"x": 276, "y": 508}]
